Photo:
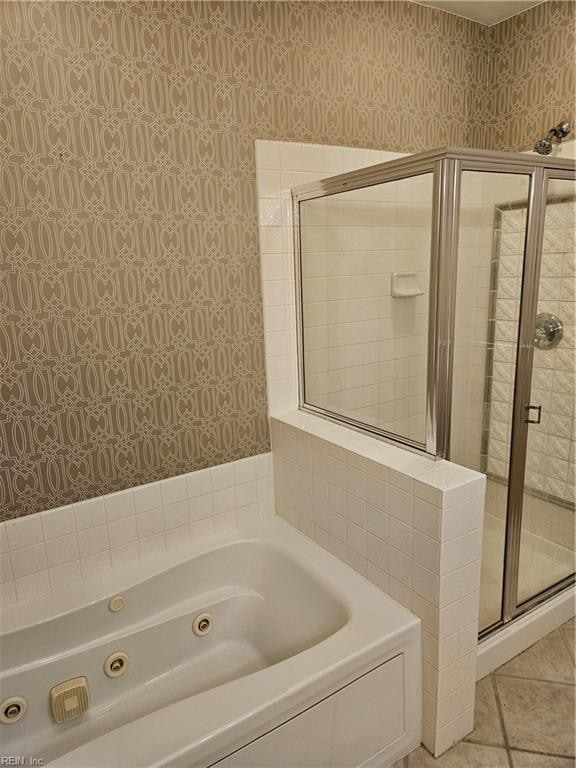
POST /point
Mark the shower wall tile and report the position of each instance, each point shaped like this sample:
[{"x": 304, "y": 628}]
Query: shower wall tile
[
  {"x": 277, "y": 263},
  {"x": 412, "y": 526},
  {"x": 59, "y": 546},
  {"x": 551, "y": 446},
  {"x": 365, "y": 350}
]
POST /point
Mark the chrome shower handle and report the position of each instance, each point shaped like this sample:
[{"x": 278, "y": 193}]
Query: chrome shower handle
[{"x": 528, "y": 408}]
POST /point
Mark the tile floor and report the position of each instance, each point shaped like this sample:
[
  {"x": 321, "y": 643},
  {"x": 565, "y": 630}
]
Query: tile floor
[{"x": 525, "y": 713}]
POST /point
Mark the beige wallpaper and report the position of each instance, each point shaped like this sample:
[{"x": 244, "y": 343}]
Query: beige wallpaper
[
  {"x": 532, "y": 79},
  {"x": 131, "y": 335},
  {"x": 131, "y": 331}
]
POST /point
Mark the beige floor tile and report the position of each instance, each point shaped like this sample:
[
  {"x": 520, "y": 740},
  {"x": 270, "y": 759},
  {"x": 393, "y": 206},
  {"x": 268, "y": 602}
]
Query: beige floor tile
[
  {"x": 463, "y": 755},
  {"x": 537, "y": 715},
  {"x": 487, "y": 727},
  {"x": 547, "y": 659},
  {"x": 530, "y": 760}
]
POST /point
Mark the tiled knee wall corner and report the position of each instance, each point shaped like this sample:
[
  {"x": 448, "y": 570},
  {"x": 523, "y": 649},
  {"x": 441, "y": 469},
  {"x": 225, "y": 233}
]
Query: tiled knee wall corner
[
  {"x": 413, "y": 527},
  {"x": 55, "y": 548}
]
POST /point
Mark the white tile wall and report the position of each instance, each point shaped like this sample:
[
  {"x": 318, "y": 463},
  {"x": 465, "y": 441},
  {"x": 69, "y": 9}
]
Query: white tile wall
[
  {"x": 553, "y": 379},
  {"x": 47, "y": 551},
  {"x": 279, "y": 167},
  {"x": 551, "y": 445},
  {"x": 412, "y": 526}
]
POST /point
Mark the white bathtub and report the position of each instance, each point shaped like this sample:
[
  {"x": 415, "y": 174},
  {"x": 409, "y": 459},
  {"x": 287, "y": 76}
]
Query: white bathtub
[{"x": 307, "y": 663}]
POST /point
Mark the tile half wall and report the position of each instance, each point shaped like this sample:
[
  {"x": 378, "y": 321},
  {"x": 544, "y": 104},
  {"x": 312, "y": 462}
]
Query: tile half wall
[{"x": 410, "y": 525}]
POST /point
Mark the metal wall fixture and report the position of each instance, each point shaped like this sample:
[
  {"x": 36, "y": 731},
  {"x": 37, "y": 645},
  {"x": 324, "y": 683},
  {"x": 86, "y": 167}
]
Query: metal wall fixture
[
  {"x": 544, "y": 146},
  {"x": 447, "y": 166},
  {"x": 548, "y": 331}
]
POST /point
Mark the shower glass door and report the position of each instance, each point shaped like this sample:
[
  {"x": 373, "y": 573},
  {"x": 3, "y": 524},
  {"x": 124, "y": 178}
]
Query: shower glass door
[
  {"x": 546, "y": 555},
  {"x": 492, "y": 239},
  {"x": 514, "y": 379}
]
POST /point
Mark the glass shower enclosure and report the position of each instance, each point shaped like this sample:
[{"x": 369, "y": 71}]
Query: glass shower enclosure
[{"x": 436, "y": 308}]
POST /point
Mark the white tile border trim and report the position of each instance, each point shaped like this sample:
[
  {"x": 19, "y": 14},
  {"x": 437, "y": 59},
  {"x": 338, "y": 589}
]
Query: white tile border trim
[{"x": 45, "y": 551}]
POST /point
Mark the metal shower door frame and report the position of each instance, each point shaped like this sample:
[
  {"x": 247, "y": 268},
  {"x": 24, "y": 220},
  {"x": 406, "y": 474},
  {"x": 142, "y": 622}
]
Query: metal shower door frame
[
  {"x": 511, "y": 606},
  {"x": 447, "y": 165},
  {"x": 441, "y": 299}
]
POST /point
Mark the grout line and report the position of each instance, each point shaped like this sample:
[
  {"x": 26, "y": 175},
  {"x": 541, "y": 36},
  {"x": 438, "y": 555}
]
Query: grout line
[
  {"x": 567, "y": 644},
  {"x": 478, "y": 743},
  {"x": 501, "y": 717},
  {"x": 544, "y": 754},
  {"x": 535, "y": 680}
]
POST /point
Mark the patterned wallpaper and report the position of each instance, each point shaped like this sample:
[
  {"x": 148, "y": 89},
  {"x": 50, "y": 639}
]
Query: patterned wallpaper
[
  {"x": 532, "y": 80},
  {"x": 131, "y": 335},
  {"x": 131, "y": 343}
]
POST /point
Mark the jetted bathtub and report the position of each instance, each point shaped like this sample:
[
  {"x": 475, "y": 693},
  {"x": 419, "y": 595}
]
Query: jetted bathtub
[{"x": 303, "y": 662}]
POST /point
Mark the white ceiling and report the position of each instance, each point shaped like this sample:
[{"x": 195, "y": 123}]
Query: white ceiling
[{"x": 485, "y": 11}]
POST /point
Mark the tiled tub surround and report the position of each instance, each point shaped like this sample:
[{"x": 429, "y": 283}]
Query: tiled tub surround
[
  {"x": 301, "y": 646},
  {"x": 412, "y": 526},
  {"x": 51, "y": 549}
]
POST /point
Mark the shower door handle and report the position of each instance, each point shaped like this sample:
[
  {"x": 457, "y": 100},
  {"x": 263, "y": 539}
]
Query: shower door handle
[{"x": 527, "y": 409}]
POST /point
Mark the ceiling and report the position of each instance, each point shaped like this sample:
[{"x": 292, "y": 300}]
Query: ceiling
[{"x": 485, "y": 11}]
